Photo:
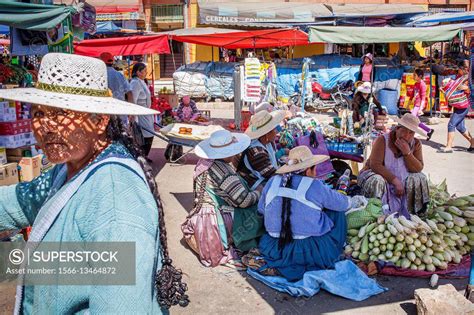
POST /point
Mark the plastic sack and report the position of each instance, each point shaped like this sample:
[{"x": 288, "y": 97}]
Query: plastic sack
[{"x": 357, "y": 219}]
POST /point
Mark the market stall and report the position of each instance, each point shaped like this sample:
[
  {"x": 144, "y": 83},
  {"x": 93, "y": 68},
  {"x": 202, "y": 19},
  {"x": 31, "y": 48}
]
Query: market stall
[{"x": 370, "y": 35}]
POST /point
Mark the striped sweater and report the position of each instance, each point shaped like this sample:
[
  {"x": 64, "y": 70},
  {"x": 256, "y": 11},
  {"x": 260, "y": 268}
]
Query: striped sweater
[
  {"x": 260, "y": 161},
  {"x": 228, "y": 185}
]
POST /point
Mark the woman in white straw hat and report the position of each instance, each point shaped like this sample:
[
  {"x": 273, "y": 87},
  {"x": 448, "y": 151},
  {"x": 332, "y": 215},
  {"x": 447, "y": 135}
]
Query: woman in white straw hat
[
  {"x": 304, "y": 219},
  {"x": 225, "y": 215},
  {"x": 361, "y": 102},
  {"x": 259, "y": 162},
  {"x": 100, "y": 190},
  {"x": 393, "y": 171}
]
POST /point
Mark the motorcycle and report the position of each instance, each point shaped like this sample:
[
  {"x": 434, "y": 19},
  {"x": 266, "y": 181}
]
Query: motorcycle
[{"x": 322, "y": 100}]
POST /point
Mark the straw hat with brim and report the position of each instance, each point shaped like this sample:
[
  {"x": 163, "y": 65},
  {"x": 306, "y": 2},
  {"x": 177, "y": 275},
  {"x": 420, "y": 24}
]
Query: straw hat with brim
[
  {"x": 76, "y": 83},
  {"x": 410, "y": 122},
  {"x": 222, "y": 144},
  {"x": 365, "y": 87},
  {"x": 263, "y": 122},
  {"x": 301, "y": 158}
]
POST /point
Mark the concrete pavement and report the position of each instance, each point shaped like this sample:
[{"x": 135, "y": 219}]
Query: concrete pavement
[{"x": 222, "y": 290}]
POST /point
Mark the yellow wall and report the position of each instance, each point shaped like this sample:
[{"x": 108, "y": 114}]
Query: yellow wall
[
  {"x": 204, "y": 53},
  {"x": 309, "y": 50},
  {"x": 393, "y": 48},
  {"x": 193, "y": 7}
]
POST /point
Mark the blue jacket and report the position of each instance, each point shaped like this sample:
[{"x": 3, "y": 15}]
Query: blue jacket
[
  {"x": 113, "y": 204},
  {"x": 307, "y": 217}
]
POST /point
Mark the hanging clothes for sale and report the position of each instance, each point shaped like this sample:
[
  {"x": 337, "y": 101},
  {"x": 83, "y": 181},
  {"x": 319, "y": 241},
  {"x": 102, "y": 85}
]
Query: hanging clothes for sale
[{"x": 252, "y": 80}]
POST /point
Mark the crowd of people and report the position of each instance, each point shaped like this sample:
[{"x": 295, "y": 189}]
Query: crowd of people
[{"x": 257, "y": 205}]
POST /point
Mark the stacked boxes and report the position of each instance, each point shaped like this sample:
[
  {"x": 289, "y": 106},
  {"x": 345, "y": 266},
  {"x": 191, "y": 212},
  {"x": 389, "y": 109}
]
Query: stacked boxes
[{"x": 407, "y": 91}]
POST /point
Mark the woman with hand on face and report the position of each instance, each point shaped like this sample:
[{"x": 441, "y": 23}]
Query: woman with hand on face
[
  {"x": 101, "y": 189},
  {"x": 393, "y": 171}
]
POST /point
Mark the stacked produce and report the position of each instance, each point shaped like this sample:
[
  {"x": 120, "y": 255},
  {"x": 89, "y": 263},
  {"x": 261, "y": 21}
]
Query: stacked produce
[{"x": 419, "y": 244}]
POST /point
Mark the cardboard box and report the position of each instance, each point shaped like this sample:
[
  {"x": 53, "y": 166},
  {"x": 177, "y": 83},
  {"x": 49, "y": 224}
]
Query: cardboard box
[
  {"x": 15, "y": 127},
  {"x": 3, "y": 156},
  {"x": 8, "y": 174},
  {"x": 30, "y": 167},
  {"x": 16, "y": 141}
]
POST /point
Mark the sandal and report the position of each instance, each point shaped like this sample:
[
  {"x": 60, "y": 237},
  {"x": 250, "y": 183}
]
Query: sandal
[
  {"x": 470, "y": 149},
  {"x": 235, "y": 264},
  {"x": 445, "y": 151}
]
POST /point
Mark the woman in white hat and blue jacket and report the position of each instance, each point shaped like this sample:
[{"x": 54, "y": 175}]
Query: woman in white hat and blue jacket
[
  {"x": 305, "y": 220},
  {"x": 100, "y": 190},
  {"x": 225, "y": 212}
]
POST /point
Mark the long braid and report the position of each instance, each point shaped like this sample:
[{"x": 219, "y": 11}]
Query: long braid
[
  {"x": 168, "y": 281},
  {"x": 286, "y": 234}
]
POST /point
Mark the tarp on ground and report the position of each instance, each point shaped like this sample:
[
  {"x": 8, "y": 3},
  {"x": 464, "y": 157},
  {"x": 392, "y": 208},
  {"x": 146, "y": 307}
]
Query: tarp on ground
[
  {"x": 354, "y": 35},
  {"x": 35, "y": 17},
  {"x": 248, "y": 39},
  {"x": 124, "y": 46}
]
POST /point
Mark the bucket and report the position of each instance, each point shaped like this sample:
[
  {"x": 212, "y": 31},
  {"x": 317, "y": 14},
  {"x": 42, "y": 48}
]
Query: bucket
[
  {"x": 245, "y": 116},
  {"x": 389, "y": 99}
]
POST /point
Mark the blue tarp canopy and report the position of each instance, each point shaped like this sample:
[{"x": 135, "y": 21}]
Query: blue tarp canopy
[
  {"x": 107, "y": 27},
  {"x": 446, "y": 17},
  {"x": 4, "y": 29}
]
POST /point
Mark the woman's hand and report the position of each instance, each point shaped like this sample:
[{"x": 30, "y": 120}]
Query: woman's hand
[
  {"x": 399, "y": 189},
  {"x": 403, "y": 146}
]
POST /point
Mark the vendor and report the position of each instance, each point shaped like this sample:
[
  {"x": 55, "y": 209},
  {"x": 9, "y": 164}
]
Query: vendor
[
  {"x": 225, "y": 212},
  {"x": 259, "y": 162},
  {"x": 367, "y": 69},
  {"x": 305, "y": 220},
  {"x": 361, "y": 102},
  {"x": 393, "y": 171},
  {"x": 187, "y": 110}
]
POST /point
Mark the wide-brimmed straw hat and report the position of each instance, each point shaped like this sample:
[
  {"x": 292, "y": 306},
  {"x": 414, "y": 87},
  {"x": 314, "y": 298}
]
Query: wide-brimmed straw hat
[
  {"x": 75, "y": 83},
  {"x": 365, "y": 87},
  {"x": 222, "y": 144},
  {"x": 411, "y": 122},
  {"x": 301, "y": 158},
  {"x": 263, "y": 122}
]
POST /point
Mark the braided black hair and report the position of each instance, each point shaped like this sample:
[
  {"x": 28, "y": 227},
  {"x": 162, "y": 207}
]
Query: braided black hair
[
  {"x": 168, "y": 281},
  {"x": 286, "y": 234}
]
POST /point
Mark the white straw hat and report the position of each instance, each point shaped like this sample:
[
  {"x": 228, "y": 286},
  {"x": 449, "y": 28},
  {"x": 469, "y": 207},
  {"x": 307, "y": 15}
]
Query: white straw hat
[
  {"x": 263, "y": 122},
  {"x": 411, "y": 122},
  {"x": 75, "y": 83},
  {"x": 301, "y": 158},
  {"x": 365, "y": 87},
  {"x": 222, "y": 144}
]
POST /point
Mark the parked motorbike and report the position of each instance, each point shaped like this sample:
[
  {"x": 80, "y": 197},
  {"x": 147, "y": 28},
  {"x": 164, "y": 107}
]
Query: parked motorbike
[{"x": 322, "y": 100}]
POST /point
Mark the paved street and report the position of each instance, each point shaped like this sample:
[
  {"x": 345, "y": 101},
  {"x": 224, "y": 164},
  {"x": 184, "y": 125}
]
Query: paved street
[{"x": 225, "y": 291}]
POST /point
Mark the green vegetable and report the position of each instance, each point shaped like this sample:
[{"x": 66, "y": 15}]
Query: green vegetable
[{"x": 365, "y": 245}]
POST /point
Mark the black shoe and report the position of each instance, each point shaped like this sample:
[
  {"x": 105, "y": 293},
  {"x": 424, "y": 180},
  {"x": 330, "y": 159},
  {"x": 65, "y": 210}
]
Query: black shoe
[
  {"x": 470, "y": 149},
  {"x": 430, "y": 133}
]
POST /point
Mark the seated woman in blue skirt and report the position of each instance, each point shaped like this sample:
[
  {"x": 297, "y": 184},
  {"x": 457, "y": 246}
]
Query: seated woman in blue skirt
[{"x": 305, "y": 220}]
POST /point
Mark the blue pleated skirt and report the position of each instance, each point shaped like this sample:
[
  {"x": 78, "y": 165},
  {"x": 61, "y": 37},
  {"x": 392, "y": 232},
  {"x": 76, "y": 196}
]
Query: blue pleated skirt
[{"x": 312, "y": 253}]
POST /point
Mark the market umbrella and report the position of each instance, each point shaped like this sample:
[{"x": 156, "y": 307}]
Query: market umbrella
[{"x": 248, "y": 39}]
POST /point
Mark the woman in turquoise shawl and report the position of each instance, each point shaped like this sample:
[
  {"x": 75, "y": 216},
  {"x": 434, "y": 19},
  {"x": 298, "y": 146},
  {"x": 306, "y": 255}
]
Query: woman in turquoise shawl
[{"x": 100, "y": 190}]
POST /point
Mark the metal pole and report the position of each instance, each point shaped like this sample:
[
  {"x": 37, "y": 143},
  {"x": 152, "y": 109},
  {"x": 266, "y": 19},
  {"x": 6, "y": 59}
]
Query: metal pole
[
  {"x": 153, "y": 71},
  {"x": 238, "y": 96},
  {"x": 212, "y": 53}
]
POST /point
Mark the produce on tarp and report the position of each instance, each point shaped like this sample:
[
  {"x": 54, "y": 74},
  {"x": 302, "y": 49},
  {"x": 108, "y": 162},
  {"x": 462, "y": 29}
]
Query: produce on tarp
[{"x": 444, "y": 236}]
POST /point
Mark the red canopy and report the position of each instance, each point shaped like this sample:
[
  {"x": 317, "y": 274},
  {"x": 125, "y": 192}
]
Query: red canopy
[
  {"x": 249, "y": 39},
  {"x": 124, "y": 46}
]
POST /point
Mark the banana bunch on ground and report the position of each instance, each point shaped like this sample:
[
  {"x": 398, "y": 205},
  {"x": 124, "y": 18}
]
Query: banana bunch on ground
[{"x": 419, "y": 244}]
